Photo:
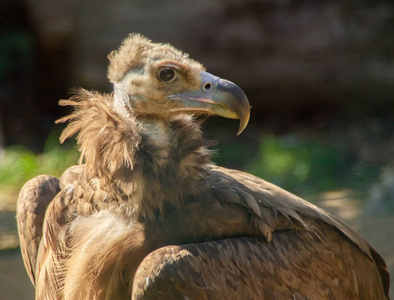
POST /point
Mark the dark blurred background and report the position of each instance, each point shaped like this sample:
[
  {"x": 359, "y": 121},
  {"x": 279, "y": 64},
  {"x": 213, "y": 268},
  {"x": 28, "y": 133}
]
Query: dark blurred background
[
  {"x": 320, "y": 65},
  {"x": 318, "y": 74}
]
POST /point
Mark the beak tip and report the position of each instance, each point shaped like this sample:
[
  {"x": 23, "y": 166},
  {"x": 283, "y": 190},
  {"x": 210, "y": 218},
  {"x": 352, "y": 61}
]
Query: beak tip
[
  {"x": 244, "y": 118},
  {"x": 243, "y": 122}
]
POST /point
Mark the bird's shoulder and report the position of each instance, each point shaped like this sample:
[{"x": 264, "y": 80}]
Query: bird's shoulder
[
  {"x": 278, "y": 210},
  {"x": 273, "y": 208}
]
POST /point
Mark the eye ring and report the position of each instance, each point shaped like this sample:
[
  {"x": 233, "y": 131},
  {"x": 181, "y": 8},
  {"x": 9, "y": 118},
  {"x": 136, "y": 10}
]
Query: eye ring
[{"x": 166, "y": 74}]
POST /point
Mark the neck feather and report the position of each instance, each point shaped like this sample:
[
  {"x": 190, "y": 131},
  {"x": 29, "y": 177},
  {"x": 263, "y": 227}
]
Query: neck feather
[
  {"x": 148, "y": 164},
  {"x": 121, "y": 100}
]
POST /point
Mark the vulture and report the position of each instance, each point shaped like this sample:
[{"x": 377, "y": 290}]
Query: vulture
[{"x": 146, "y": 214}]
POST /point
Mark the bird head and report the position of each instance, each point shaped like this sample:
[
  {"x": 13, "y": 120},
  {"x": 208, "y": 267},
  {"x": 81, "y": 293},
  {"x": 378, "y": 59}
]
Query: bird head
[{"x": 157, "y": 80}]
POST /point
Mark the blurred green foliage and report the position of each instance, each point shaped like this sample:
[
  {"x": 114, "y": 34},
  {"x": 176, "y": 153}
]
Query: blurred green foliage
[
  {"x": 19, "y": 164},
  {"x": 307, "y": 166}
]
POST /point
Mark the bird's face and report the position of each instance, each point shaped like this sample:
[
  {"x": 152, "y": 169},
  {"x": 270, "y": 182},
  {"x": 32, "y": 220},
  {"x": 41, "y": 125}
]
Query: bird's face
[{"x": 166, "y": 82}]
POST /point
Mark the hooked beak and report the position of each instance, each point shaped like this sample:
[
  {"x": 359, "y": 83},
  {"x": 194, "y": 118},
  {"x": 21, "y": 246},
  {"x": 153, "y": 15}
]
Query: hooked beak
[{"x": 216, "y": 96}]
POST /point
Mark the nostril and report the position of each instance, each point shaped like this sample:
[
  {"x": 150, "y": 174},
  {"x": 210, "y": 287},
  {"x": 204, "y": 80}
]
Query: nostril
[{"x": 207, "y": 86}]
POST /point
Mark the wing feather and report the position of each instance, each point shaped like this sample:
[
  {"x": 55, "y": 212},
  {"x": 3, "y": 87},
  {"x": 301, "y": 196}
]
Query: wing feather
[
  {"x": 281, "y": 210},
  {"x": 54, "y": 248},
  {"x": 274, "y": 201},
  {"x": 32, "y": 203},
  {"x": 292, "y": 266},
  {"x": 70, "y": 175}
]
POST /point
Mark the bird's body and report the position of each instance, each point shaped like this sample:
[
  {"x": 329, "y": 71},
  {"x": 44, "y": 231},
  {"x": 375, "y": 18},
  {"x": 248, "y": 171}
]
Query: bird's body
[{"x": 148, "y": 216}]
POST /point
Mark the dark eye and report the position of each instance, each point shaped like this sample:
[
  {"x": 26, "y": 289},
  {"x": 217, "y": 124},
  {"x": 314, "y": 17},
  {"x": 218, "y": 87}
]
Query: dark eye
[{"x": 166, "y": 74}]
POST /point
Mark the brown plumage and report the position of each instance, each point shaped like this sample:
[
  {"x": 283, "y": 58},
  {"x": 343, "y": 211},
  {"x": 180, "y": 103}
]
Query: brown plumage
[{"x": 146, "y": 215}]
